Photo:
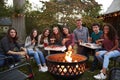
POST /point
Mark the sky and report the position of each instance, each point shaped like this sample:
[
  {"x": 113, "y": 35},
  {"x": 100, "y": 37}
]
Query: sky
[{"x": 105, "y": 3}]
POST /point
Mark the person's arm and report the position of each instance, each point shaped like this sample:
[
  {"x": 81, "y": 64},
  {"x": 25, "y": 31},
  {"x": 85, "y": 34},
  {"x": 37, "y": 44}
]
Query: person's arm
[
  {"x": 75, "y": 37},
  {"x": 5, "y": 44},
  {"x": 64, "y": 40},
  {"x": 22, "y": 53},
  {"x": 72, "y": 38},
  {"x": 28, "y": 42},
  {"x": 99, "y": 42},
  {"x": 39, "y": 44},
  {"x": 115, "y": 46}
]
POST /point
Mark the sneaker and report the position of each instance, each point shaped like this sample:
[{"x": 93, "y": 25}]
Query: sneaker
[
  {"x": 43, "y": 69},
  {"x": 12, "y": 66},
  {"x": 100, "y": 76}
]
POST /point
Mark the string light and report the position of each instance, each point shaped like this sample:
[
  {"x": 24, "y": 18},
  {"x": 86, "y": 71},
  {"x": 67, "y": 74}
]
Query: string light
[{"x": 37, "y": 16}]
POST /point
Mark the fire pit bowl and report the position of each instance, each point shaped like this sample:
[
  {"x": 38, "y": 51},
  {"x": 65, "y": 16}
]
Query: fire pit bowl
[{"x": 61, "y": 69}]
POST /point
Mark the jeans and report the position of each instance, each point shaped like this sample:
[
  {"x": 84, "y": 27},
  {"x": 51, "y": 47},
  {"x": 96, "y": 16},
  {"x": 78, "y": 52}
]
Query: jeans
[
  {"x": 104, "y": 58},
  {"x": 38, "y": 56},
  {"x": 17, "y": 58},
  {"x": 11, "y": 59},
  {"x": 2, "y": 61}
]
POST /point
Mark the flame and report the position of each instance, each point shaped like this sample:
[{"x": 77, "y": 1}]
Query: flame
[{"x": 68, "y": 57}]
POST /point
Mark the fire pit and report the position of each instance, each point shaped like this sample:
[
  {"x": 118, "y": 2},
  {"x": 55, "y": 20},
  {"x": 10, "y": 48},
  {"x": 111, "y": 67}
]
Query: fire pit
[{"x": 66, "y": 66}]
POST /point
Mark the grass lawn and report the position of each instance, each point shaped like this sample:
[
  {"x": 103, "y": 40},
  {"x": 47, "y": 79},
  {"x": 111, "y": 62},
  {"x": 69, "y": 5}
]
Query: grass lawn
[{"x": 47, "y": 76}]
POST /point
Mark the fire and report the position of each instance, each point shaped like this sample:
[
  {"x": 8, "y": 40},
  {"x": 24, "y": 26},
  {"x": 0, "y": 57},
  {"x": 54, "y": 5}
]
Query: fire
[{"x": 68, "y": 57}]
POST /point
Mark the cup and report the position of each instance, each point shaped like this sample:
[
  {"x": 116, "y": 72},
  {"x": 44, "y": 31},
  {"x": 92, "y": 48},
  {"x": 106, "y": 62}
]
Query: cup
[{"x": 45, "y": 44}]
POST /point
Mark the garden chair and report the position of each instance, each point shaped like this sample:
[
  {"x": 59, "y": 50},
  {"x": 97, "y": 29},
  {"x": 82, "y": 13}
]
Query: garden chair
[
  {"x": 17, "y": 72},
  {"x": 116, "y": 60},
  {"x": 114, "y": 73}
]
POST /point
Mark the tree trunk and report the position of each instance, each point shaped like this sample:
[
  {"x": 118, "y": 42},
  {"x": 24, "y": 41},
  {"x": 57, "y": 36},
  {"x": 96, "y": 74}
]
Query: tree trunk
[{"x": 19, "y": 19}]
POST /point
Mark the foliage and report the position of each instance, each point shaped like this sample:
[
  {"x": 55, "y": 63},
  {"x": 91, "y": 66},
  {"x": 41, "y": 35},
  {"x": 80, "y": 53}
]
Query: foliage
[
  {"x": 5, "y": 11},
  {"x": 88, "y": 21},
  {"x": 2, "y": 33},
  {"x": 31, "y": 21},
  {"x": 9, "y": 10},
  {"x": 55, "y": 12},
  {"x": 67, "y": 11}
]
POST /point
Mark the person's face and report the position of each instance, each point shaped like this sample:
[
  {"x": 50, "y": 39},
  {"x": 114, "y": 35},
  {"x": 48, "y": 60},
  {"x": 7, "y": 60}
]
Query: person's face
[
  {"x": 46, "y": 33},
  {"x": 55, "y": 30},
  {"x": 65, "y": 31},
  {"x": 106, "y": 29},
  {"x": 12, "y": 33},
  {"x": 95, "y": 29},
  {"x": 79, "y": 23},
  {"x": 34, "y": 33}
]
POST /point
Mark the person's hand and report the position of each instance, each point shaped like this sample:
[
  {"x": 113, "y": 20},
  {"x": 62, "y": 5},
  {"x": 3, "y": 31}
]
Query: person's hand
[
  {"x": 107, "y": 53},
  {"x": 23, "y": 49},
  {"x": 27, "y": 57},
  {"x": 89, "y": 39},
  {"x": 97, "y": 53},
  {"x": 23, "y": 53},
  {"x": 33, "y": 41},
  {"x": 63, "y": 41},
  {"x": 99, "y": 41},
  {"x": 80, "y": 41}
]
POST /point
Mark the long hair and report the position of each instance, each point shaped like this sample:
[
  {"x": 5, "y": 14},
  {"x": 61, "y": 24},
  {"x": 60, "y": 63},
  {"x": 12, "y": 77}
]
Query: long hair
[
  {"x": 57, "y": 37},
  {"x": 68, "y": 30},
  {"x": 112, "y": 32},
  {"x": 43, "y": 35},
  {"x": 9, "y": 37},
  {"x": 31, "y": 36}
]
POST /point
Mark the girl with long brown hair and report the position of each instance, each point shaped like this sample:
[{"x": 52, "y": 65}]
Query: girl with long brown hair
[
  {"x": 9, "y": 46},
  {"x": 43, "y": 39},
  {"x": 109, "y": 41},
  {"x": 32, "y": 50},
  {"x": 68, "y": 38},
  {"x": 56, "y": 37}
]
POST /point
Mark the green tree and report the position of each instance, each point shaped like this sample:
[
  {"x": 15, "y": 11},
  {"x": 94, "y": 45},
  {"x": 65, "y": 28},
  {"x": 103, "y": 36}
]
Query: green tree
[
  {"x": 64, "y": 12},
  {"x": 70, "y": 9},
  {"x": 5, "y": 11},
  {"x": 91, "y": 13}
]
